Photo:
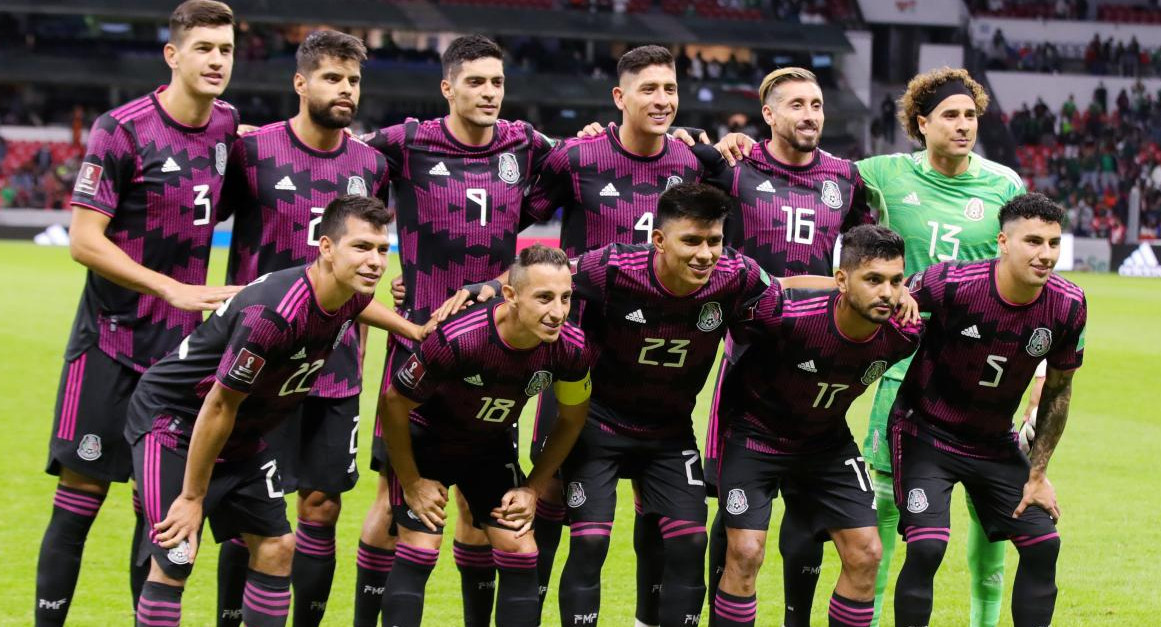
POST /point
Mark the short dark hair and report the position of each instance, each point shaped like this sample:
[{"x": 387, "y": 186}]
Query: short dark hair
[
  {"x": 535, "y": 254},
  {"x": 694, "y": 201},
  {"x": 468, "y": 48},
  {"x": 365, "y": 208},
  {"x": 642, "y": 57},
  {"x": 194, "y": 13},
  {"x": 867, "y": 242},
  {"x": 1030, "y": 206},
  {"x": 328, "y": 43}
]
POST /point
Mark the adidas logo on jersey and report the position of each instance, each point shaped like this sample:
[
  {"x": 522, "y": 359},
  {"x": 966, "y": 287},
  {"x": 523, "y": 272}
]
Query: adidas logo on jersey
[
  {"x": 971, "y": 332},
  {"x": 301, "y": 354},
  {"x": 170, "y": 166},
  {"x": 609, "y": 190},
  {"x": 636, "y": 316},
  {"x": 1143, "y": 262},
  {"x": 286, "y": 184},
  {"x": 808, "y": 366},
  {"x": 475, "y": 380},
  {"x": 911, "y": 199},
  {"x": 439, "y": 169},
  {"x": 765, "y": 186}
]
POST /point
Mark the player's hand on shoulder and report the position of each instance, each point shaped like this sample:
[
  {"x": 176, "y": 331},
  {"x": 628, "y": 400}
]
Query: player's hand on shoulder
[
  {"x": 734, "y": 146},
  {"x": 908, "y": 311},
  {"x": 517, "y": 510},
  {"x": 1038, "y": 491},
  {"x": 682, "y": 134},
  {"x": 398, "y": 289},
  {"x": 427, "y": 500},
  {"x": 198, "y": 297},
  {"x": 592, "y": 129},
  {"x": 244, "y": 129},
  {"x": 182, "y": 523}
]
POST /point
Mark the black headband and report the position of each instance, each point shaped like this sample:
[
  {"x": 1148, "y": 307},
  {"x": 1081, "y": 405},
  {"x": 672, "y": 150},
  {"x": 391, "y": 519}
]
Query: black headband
[{"x": 943, "y": 92}]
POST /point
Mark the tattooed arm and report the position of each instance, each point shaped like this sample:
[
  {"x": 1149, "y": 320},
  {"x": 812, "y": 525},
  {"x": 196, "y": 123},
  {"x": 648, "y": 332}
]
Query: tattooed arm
[{"x": 1050, "y": 420}]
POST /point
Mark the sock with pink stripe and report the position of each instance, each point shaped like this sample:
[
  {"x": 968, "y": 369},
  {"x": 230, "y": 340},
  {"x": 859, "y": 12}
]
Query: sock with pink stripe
[
  {"x": 1034, "y": 589},
  {"x": 517, "y": 603},
  {"x": 477, "y": 582},
  {"x": 233, "y": 562},
  {"x": 846, "y": 612},
  {"x": 403, "y": 600},
  {"x": 313, "y": 571},
  {"x": 59, "y": 566},
  {"x": 138, "y": 559},
  {"x": 717, "y": 561},
  {"x": 735, "y": 611},
  {"x": 683, "y": 583},
  {"x": 160, "y": 605},
  {"x": 913, "y": 588},
  {"x": 373, "y": 565},
  {"x": 580, "y": 583},
  {"x": 266, "y": 600},
  {"x": 546, "y": 530}
]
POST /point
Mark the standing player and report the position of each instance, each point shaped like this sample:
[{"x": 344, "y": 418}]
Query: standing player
[
  {"x": 279, "y": 179},
  {"x": 608, "y": 186},
  {"x": 835, "y": 343},
  {"x": 991, "y": 324},
  {"x": 460, "y": 185},
  {"x": 197, "y": 418},
  {"x": 793, "y": 200},
  {"x": 656, "y": 314},
  {"x": 144, "y": 213},
  {"x": 464, "y": 389}
]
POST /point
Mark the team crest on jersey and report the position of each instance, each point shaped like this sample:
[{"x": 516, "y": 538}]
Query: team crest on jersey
[
  {"x": 710, "y": 317},
  {"x": 917, "y": 501},
  {"x": 541, "y": 379},
  {"x": 509, "y": 169},
  {"x": 874, "y": 371},
  {"x": 88, "y": 179},
  {"x": 671, "y": 181},
  {"x": 1040, "y": 342},
  {"x": 356, "y": 186},
  {"x": 220, "y": 158},
  {"x": 179, "y": 554},
  {"x": 831, "y": 196},
  {"x": 342, "y": 332},
  {"x": 736, "y": 502},
  {"x": 89, "y": 448},
  {"x": 974, "y": 210},
  {"x": 576, "y": 494}
]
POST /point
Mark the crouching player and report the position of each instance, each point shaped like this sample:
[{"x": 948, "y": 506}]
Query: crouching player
[
  {"x": 449, "y": 411},
  {"x": 197, "y": 419},
  {"x": 785, "y": 402}
]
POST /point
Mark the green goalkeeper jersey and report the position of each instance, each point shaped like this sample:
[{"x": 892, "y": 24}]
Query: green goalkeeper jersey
[{"x": 939, "y": 217}]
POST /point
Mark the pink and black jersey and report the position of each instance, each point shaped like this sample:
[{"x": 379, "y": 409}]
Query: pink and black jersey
[
  {"x": 159, "y": 181},
  {"x": 980, "y": 352},
  {"x": 277, "y": 188},
  {"x": 655, "y": 349},
  {"x": 790, "y": 390},
  {"x": 269, "y": 341},
  {"x": 608, "y": 194},
  {"x": 788, "y": 218},
  {"x": 458, "y": 207},
  {"x": 473, "y": 386}
]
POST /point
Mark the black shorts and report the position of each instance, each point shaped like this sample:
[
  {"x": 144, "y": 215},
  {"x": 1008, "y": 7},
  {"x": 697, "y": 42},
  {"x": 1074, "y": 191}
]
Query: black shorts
[
  {"x": 244, "y": 496},
  {"x": 483, "y": 476},
  {"x": 924, "y": 476},
  {"x": 829, "y": 489},
  {"x": 88, "y": 429},
  {"x": 397, "y": 354},
  {"x": 317, "y": 446},
  {"x": 669, "y": 475}
]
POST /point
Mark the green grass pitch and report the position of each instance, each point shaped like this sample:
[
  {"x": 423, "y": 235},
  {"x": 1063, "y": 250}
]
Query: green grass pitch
[{"x": 1104, "y": 474}]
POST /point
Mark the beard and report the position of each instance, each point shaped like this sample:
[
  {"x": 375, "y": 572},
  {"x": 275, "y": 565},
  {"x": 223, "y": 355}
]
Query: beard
[
  {"x": 799, "y": 145},
  {"x": 325, "y": 116}
]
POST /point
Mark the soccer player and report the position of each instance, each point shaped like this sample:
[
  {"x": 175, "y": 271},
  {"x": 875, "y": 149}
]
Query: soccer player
[
  {"x": 655, "y": 314},
  {"x": 460, "y": 185},
  {"x": 793, "y": 200},
  {"x": 448, "y": 416},
  {"x": 145, "y": 205},
  {"x": 785, "y": 402},
  {"x": 197, "y": 419},
  {"x": 608, "y": 186},
  {"x": 278, "y": 181},
  {"x": 991, "y": 324}
]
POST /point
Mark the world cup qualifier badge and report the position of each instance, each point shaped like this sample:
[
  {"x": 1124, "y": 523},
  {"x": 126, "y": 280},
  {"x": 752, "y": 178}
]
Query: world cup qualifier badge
[
  {"x": 1040, "y": 342},
  {"x": 736, "y": 502},
  {"x": 509, "y": 168},
  {"x": 710, "y": 317},
  {"x": 575, "y": 494}
]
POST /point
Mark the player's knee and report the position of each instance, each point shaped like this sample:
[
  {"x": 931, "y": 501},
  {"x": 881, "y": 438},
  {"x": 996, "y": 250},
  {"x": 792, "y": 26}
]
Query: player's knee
[
  {"x": 685, "y": 555},
  {"x": 319, "y": 507},
  {"x": 587, "y": 553},
  {"x": 274, "y": 555},
  {"x": 926, "y": 553},
  {"x": 1038, "y": 552},
  {"x": 745, "y": 554},
  {"x": 76, "y": 481}
]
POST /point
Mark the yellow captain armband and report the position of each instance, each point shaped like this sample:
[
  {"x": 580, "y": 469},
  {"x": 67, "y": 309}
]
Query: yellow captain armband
[{"x": 573, "y": 392}]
